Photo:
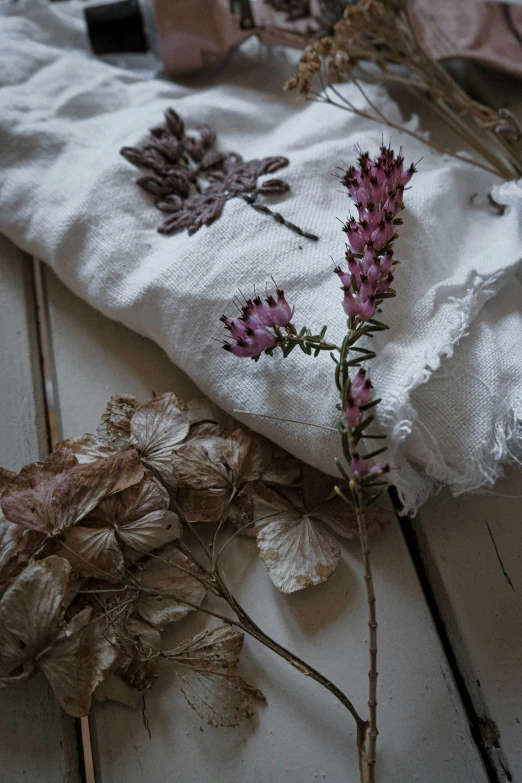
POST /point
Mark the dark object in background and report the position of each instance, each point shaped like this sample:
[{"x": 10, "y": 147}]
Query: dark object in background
[{"x": 190, "y": 36}]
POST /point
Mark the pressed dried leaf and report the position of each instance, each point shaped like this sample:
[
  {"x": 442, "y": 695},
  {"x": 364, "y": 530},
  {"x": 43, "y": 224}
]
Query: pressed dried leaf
[
  {"x": 138, "y": 518},
  {"x": 86, "y": 448},
  {"x": 114, "y": 429},
  {"x": 295, "y": 545},
  {"x": 206, "y": 668},
  {"x": 283, "y": 469},
  {"x": 158, "y": 427},
  {"x": 213, "y": 438},
  {"x": 192, "y": 466},
  {"x": 31, "y": 610},
  {"x": 53, "y": 495},
  {"x": 78, "y": 661},
  {"x": 94, "y": 552},
  {"x": 297, "y": 553},
  {"x": 203, "y": 505},
  {"x": 138, "y": 644},
  {"x": 5, "y": 478},
  {"x": 164, "y": 575},
  {"x": 250, "y": 455},
  {"x": 200, "y": 409}
]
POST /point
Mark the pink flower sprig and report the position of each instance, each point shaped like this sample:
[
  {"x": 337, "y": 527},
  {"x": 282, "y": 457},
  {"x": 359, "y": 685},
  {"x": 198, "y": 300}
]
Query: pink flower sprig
[
  {"x": 377, "y": 189},
  {"x": 258, "y": 329}
]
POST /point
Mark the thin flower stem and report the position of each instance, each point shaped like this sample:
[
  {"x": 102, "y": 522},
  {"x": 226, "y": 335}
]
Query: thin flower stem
[
  {"x": 401, "y": 129},
  {"x": 251, "y": 200},
  {"x": 281, "y": 418}
]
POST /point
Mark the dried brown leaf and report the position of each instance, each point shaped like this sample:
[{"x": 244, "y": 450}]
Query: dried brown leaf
[
  {"x": 192, "y": 466},
  {"x": 139, "y": 644},
  {"x": 78, "y": 661},
  {"x": 53, "y": 495},
  {"x": 203, "y": 505},
  {"x": 158, "y": 427},
  {"x": 250, "y": 455},
  {"x": 213, "y": 438},
  {"x": 283, "y": 469},
  {"x": 31, "y": 611},
  {"x": 5, "y": 478},
  {"x": 206, "y": 668},
  {"x": 297, "y": 549},
  {"x": 138, "y": 518},
  {"x": 164, "y": 575},
  {"x": 86, "y": 448},
  {"x": 114, "y": 429}
]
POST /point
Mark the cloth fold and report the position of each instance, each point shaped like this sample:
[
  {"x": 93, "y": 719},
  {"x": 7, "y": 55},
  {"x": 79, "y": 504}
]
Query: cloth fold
[{"x": 449, "y": 371}]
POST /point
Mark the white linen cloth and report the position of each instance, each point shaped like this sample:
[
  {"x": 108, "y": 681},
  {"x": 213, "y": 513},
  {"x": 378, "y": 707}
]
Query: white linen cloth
[{"x": 450, "y": 368}]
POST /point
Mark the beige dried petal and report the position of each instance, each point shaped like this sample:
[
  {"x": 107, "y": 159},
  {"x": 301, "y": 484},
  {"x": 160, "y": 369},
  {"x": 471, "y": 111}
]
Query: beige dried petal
[
  {"x": 51, "y": 496},
  {"x": 250, "y": 455},
  {"x": 203, "y": 505},
  {"x": 86, "y": 448},
  {"x": 192, "y": 466},
  {"x": 283, "y": 469},
  {"x": 114, "y": 429},
  {"x": 78, "y": 661},
  {"x": 297, "y": 552},
  {"x": 158, "y": 427},
  {"x": 206, "y": 668},
  {"x": 31, "y": 610},
  {"x": 165, "y": 576},
  {"x": 94, "y": 552}
]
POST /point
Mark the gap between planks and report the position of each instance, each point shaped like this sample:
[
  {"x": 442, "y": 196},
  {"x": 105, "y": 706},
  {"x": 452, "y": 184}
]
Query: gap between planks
[{"x": 50, "y": 401}]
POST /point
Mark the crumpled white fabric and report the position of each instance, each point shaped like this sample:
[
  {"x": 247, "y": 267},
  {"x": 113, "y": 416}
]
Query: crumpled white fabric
[{"x": 449, "y": 371}]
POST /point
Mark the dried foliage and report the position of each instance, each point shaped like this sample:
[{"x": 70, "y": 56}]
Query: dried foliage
[
  {"x": 100, "y": 552},
  {"x": 377, "y": 41},
  {"x": 191, "y": 181}
]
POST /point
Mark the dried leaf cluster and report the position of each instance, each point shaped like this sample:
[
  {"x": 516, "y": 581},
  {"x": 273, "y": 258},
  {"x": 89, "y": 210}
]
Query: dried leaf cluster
[
  {"x": 99, "y": 553},
  {"x": 378, "y": 41}
]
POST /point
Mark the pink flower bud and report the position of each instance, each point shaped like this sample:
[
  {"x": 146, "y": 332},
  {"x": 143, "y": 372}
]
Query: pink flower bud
[
  {"x": 358, "y": 466},
  {"x": 367, "y": 310},
  {"x": 344, "y": 277},
  {"x": 386, "y": 263},
  {"x": 351, "y": 304},
  {"x": 262, "y": 338},
  {"x": 365, "y": 289},
  {"x": 352, "y": 414}
]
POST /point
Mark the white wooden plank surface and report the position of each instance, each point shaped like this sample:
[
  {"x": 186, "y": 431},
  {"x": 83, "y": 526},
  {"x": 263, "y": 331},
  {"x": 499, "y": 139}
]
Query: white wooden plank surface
[
  {"x": 37, "y": 740},
  {"x": 302, "y": 735},
  {"x": 473, "y": 550}
]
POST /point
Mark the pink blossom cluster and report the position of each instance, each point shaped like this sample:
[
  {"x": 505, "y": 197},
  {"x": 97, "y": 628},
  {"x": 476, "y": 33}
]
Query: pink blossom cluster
[
  {"x": 250, "y": 332},
  {"x": 377, "y": 188},
  {"x": 360, "y": 395}
]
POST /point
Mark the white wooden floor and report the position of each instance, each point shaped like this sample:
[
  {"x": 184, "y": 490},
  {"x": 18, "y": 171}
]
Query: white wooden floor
[{"x": 450, "y": 710}]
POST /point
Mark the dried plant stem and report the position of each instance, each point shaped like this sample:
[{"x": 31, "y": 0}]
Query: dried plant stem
[
  {"x": 372, "y": 624},
  {"x": 276, "y": 216},
  {"x": 500, "y": 170}
]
